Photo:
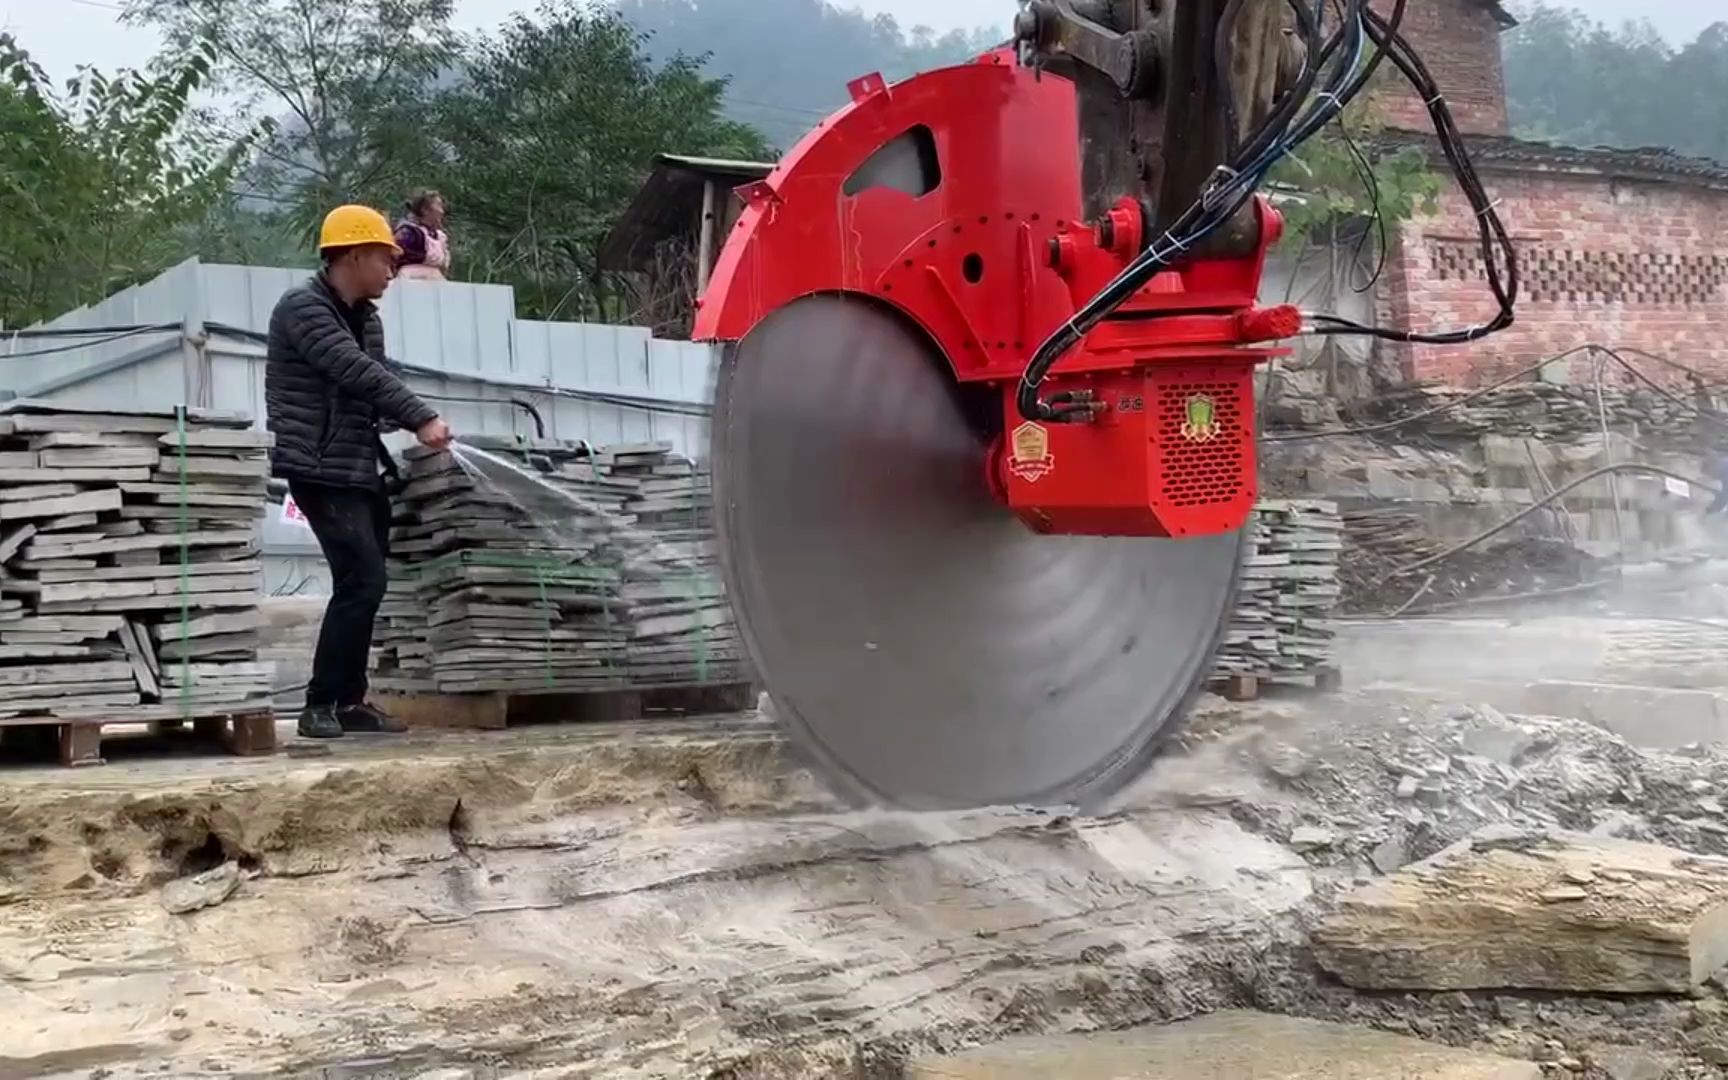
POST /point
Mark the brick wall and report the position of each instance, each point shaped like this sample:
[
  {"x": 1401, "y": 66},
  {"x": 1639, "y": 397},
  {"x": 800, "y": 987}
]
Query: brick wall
[
  {"x": 1460, "y": 42},
  {"x": 1618, "y": 263}
]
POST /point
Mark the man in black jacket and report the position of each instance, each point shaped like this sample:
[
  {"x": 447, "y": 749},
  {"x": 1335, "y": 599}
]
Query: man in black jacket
[{"x": 329, "y": 392}]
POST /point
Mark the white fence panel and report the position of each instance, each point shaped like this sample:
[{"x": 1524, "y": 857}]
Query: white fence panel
[
  {"x": 467, "y": 332},
  {"x": 244, "y": 296}
]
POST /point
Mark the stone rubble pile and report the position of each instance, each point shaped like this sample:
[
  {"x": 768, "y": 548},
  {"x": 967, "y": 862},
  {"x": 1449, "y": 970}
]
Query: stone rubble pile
[
  {"x": 1380, "y": 543},
  {"x": 1474, "y": 868}
]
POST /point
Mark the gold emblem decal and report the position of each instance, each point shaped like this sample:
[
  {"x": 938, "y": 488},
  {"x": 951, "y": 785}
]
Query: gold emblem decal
[
  {"x": 1201, "y": 423},
  {"x": 1030, "y": 458}
]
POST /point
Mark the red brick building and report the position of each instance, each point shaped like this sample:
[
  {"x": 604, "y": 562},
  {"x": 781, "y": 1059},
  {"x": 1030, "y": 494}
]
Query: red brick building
[{"x": 1619, "y": 248}]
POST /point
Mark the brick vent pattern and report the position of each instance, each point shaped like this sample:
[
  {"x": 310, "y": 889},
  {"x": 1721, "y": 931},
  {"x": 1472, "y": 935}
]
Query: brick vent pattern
[
  {"x": 1631, "y": 263},
  {"x": 1558, "y": 276},
  {"x": 1607, "y": 259}
]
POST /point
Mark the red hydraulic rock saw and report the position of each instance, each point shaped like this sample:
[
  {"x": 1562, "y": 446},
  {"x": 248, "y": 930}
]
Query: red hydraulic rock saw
[{"x": 984, "y": 436}]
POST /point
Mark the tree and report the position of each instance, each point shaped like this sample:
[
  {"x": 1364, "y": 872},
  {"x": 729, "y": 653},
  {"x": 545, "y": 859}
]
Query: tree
[
  {"x": 99, "y": 182},
  {"x": 787, "y": 62},
  {"x": 1697, "y": 117},
  {"x": 1348, "y": 189},
  {"x": 1346, "y": 179},
  {"x": 352, "y": 80},
  {"x": 1570, "y": 79},
  {"x": 549, "y": 132}
]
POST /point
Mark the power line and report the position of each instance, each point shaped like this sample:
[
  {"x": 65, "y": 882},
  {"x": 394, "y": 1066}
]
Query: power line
[
  {"x": 82, "y": 331},
  {"x": 77, "y": 345},
  {"x": 820, "y": 114}
]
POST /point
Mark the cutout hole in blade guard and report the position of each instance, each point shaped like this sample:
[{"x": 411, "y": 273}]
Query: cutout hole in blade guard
[{"x": 907, "y": 163}]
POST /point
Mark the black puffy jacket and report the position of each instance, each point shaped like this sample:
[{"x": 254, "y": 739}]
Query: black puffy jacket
[{"x": 328, "y": 389}]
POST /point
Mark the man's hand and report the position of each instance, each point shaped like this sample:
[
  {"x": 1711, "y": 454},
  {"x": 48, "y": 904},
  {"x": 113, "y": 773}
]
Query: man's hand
[{"x": 435, "y": 434}]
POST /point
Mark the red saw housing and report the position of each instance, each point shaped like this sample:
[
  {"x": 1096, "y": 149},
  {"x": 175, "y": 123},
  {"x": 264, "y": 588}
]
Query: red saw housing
[{"x": 976, "y": 238}]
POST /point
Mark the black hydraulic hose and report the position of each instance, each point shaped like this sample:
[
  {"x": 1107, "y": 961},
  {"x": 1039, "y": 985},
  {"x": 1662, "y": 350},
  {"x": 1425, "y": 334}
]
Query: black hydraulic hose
[{"x": 1207, "y": 213}]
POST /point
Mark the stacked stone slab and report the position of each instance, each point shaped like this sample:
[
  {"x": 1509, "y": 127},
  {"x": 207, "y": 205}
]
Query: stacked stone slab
[
  {"x": 130, "y": 568},
  {"x": 545, "y": 565},
  {"x": 680, "y": 626},
  {"x": 1280, "y": 628}
]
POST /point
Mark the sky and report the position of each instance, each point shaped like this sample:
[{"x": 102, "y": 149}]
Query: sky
[{"x": 64, "y": 33}]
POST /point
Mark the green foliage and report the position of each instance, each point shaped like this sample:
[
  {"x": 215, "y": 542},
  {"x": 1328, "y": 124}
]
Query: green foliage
[
  {"x": 1570, "y": 79},
  {"x": 353, "y": 81},
  {"x": 548, "y": 134},
  {"x": 247, "y": 232},
  {"x": 787, "y": 62},
  {"x": 100, "y": 180},
  {"x": 1330, "y": 176},
  {"x": 540, "y": 132}
]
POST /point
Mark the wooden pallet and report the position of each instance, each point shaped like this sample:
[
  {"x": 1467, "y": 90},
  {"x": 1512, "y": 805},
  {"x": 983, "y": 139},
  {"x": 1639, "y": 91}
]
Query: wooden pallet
[
  {"x": 250, "y": 734},
  {"x": 495, "y": 711},
  {"x": 1236, "y": 687},
  {"x": 1245, "y": 687}
]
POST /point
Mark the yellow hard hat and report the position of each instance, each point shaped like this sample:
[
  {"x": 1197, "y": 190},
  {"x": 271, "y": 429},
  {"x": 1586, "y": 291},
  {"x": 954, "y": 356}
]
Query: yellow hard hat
[{"x": 352, "y": 226}]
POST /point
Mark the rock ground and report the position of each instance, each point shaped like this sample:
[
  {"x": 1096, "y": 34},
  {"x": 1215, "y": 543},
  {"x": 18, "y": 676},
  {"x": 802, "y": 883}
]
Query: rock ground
[
  {"x": 679, "y": 900},
  {"x": 1228, "y": 1045}
]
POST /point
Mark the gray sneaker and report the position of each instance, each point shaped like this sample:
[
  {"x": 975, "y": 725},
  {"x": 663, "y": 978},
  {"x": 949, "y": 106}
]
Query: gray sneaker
[{"x": 319, "y": 722}]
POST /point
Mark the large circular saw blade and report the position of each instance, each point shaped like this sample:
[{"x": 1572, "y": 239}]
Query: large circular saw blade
[{"x": 926, "y": 648}]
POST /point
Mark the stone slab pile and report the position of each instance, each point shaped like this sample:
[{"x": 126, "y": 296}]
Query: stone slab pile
[
  {"x": 130, "y": 564},
  {"x": 1280, "y": 628},
  {"x": 674, "y": 604},
  {"x": 544, "y": 565}
]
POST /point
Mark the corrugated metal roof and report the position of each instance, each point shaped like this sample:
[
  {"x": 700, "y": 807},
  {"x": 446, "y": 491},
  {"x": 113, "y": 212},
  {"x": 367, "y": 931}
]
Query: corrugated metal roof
[{"x": 668, "y": 204}]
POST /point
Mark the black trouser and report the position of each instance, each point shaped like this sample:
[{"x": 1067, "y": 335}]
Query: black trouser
[{"x": 353, "y": 528}]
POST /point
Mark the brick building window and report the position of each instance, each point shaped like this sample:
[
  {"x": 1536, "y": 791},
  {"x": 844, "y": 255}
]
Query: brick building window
[{"x": 1556, "y": 276}]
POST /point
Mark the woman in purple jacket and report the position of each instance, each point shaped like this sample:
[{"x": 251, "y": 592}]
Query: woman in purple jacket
[{"x": 424, "y": 243}]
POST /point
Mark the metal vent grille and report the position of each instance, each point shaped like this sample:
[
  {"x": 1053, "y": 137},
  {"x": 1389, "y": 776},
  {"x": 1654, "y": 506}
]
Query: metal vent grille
[{"x": 1203, "y": 465}]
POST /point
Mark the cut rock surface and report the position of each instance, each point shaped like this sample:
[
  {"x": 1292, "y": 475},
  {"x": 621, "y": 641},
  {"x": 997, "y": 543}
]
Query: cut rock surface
[
  {"x": 1550, "y": 911},
  {"x": 1224, "y": 1046},
  {"x": 1653, "y": 717}
]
